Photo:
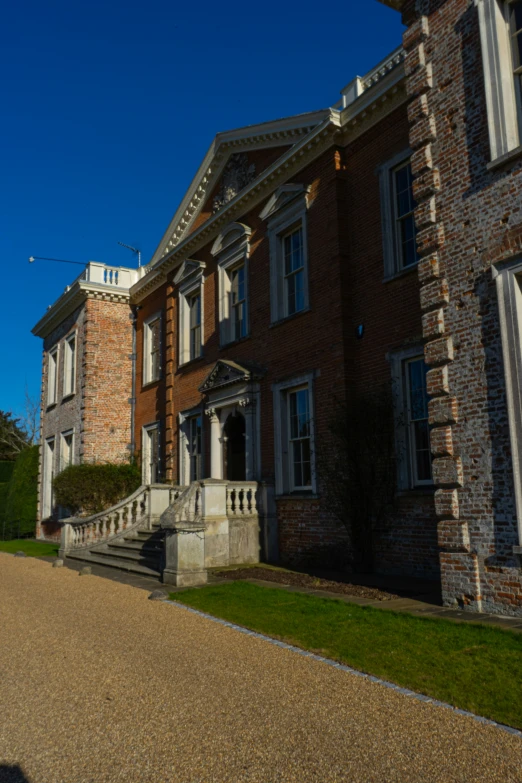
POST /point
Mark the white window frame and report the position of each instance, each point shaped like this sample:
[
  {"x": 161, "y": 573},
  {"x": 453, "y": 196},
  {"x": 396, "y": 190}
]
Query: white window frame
[
  {"x": 191, "y": 282},
  {"x": 399, "y": 360},
  {"x": 49, "y": 465},
  {"x": 184, "y": 419},
  {"x": 497, "y": 58},
  {"x": 147, "y": 349},
  {"x": 52, "y": 375},
  {"x": 63, "y": 441},
  {"x": 390, "y": 239},
  {"x": 285, "y": 211},
  {"x": 69, "y": 370},
  {"x": 145, "y": 451},
  {"x": 508, "y": 278},
  {"x": 283, "y": 456},
  {"x": 231, "y": 250}
]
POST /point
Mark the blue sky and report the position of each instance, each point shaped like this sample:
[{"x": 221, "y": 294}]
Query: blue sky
[{"x": 109, "y": 107}]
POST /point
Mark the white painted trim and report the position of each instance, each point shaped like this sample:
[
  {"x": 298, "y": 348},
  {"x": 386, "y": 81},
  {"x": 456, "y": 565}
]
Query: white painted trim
[
  {"x": 283, "y": 213},
  {"x": 49, "y": 467},
  {"x": 404, "y": 456},
  {"x": 192, "y": 284},
  {"x": 53, "y": 356},
  {"x": 499, "y": 80},
  {"x": 281, "y": 440},
  {"x": 68, "y": 388},
  {"x": 508, "y": 277},
  {"x": 63, "y": 436},
  {"x": 147, "y": 364},
  {"x": 388, "y": 212},
  {"x": 231, "y": 249},
  {"x": 145, "y": 450}
]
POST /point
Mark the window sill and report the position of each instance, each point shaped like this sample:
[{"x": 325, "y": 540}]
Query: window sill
[
  {"x": 289, "y": 317},
  {"x": 505, "y": 159},
  {"x": 298, "y": 496},
  {"x": 50, "y": 406},
  {"x": 415, "y": 492},
  {"x": 232, "y": 343},
  {"x": 191, "y": 362},
  {"x": 401, "y": 273},
  {"x": 150, "y": 383},
  {"x": 67, "y": 397}
]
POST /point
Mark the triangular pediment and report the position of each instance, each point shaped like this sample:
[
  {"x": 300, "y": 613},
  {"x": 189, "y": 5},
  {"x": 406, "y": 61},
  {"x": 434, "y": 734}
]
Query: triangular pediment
[
  {"x": 189, "y": 269},
  {"x": 283, "y": 196},
  {"x": 226, "y": 373},
  {"x": 235, "y": 161}
]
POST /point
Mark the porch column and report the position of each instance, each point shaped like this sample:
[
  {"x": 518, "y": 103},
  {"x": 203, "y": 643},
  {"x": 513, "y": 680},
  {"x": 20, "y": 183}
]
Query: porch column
[{"x": 216, "y": 452}]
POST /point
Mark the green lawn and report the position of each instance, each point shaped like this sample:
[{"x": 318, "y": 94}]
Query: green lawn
[
  {"x": 31, "y": 548},
  {"x": 474, "y": 667}
]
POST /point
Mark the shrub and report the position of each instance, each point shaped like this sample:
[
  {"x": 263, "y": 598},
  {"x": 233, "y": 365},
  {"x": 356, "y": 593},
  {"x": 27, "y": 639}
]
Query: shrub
[
  {"x": 6, "y": 470},
  {"x": 22, "y": 490},
  {"x": 94, "y": 487}
]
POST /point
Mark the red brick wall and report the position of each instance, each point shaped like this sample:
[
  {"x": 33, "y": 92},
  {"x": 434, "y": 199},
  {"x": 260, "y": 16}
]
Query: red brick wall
[
  {"x": 346, "y": 288},
  {"x": 470, "y": 216},
  {"x": 107, "y": 382}
]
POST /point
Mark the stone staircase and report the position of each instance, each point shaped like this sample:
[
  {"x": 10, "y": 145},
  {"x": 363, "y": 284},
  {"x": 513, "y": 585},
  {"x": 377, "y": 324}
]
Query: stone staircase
[{"x": 141, "y": 551}]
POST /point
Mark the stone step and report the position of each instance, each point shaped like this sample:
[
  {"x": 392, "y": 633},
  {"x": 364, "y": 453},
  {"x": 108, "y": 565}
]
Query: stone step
[
  {"x": 137, "y": 545},
  {"x": 115, "y": 562},
  {"x": 126, "y": 554}
]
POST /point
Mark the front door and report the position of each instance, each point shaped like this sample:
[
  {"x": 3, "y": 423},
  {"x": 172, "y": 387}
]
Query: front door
[{"x": 234, "y": 431}]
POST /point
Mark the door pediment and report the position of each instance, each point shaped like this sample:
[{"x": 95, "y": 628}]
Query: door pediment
[{"x": 226, "y": 373}]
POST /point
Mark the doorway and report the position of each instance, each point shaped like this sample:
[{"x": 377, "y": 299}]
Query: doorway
[{"x": 234, "y": 451}]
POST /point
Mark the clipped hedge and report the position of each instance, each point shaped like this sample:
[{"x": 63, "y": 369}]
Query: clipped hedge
[
  {"x": 6, "y": 470},
  {"x": 94, "y": 487},
  {"x": 21, "y": 501}
]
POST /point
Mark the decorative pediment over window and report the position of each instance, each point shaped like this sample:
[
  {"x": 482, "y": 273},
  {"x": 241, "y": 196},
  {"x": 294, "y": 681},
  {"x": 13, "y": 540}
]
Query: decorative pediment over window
[
  {"x": 237, "y": 174},
  {"x": 234, "y": 235},
  {"x": 283, "y": 196},
  {"x": 226, "y": 374},
  {"x": 189, "y": 270}
]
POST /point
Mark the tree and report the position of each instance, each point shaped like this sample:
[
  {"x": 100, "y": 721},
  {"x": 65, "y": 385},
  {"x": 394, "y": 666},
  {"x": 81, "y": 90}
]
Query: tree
[
  {"x": 357, "y": 466},
  {"x": 19, "y": 432}
]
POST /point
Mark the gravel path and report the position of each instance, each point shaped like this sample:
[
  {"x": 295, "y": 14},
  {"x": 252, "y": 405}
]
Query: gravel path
[{"x": 99, "y": 684}]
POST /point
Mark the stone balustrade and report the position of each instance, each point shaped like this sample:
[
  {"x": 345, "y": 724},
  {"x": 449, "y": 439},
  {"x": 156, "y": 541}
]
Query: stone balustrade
[{"x": 141, "y": 509}]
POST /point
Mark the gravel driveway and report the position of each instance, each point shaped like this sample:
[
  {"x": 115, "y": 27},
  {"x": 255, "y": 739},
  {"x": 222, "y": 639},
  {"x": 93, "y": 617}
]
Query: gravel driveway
[{"x": 99, "y": 684}]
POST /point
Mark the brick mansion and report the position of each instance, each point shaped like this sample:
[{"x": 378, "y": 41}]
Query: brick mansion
[{"x": 314, "y": 258}]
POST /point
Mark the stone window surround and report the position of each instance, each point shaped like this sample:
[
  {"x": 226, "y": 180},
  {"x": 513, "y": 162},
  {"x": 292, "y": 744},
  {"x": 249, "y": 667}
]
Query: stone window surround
[
  {"x": 508, "y": 278},
  {"x": 398, "y": 360},
  {"x": 231, "y": 249},
  {"x": 501, "y": 101},
  {"x": 64, "y": 435},
  {"x": 53, "y": 356},
  {"x": 285, "y": 210},
  {"x": 281, "y": 433},
  {"x": 145, "y": 456},
  {"x": 147, "y": 364},
  {"x": 49, "y": 459},
  {"x": 191, "y": 281},
  {"x": 184, "y": 458},
  {"x": 388, "y": 221},
  {"x": 69, "y": 390}
]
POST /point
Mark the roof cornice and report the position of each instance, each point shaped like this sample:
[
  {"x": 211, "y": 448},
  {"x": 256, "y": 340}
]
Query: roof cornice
[{"x": 73, "y": 297}]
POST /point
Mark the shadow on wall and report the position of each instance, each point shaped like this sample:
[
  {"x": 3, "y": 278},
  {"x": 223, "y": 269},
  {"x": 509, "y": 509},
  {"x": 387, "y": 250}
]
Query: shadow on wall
[{"x": 12, "y": 773}]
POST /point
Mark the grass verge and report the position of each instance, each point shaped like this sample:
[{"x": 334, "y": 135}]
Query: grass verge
[
  {"x": 474, "y": 667},
  {"x": 31, "y": 548}
]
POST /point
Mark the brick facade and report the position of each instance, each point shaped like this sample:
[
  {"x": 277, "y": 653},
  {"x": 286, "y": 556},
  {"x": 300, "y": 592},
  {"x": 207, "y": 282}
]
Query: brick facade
[
  {"x": 360, "y": 321},
  {"x": 469, "y": 217},
  {"x": 98, "y": 413}
]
